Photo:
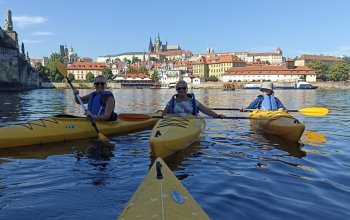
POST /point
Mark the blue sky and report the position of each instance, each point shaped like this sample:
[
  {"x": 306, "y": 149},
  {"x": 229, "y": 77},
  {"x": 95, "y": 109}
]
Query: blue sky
[{"x": 96, "y": 28}]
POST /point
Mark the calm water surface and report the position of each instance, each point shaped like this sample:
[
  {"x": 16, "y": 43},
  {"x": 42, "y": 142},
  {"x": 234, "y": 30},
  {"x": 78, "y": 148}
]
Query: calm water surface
[{"x": 232, "y": 172}]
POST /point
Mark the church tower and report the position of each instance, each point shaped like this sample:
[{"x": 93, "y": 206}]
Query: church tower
[
  {"x": 8, "y": 26},
  {"x": 158, "y": 44},
  {"x": 8, "y": 29},
  {"x": 150, "y": 46}
]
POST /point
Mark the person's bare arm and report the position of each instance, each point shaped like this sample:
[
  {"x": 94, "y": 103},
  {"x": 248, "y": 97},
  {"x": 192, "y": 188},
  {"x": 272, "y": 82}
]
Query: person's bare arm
[
  {"x": 108, "y": 110},
  {"x": 84, "y": 99},
  {"x": 166, "y": 110},
  {"x": 208, "y": 111}
]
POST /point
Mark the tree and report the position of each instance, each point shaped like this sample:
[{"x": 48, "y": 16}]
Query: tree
[
  {"x": 131, "y": 70},
  {"x": 346, "y": 59},
  {"x": 211, "y": 79},
  {"x": 143, "y": 70},
  {"x": 339, "y": 71},
  {"x": 155, "y": 76},
  {"x": 43, "y": 71},
  {"x": 54, "y": 75},
  {"x": 90, "y": 77},
  {"x": 125, "y": 60},
  {"x": 320, "y": 68},
  {"x": 71, "y": 76},
  {"x": 107, "y": 73}
]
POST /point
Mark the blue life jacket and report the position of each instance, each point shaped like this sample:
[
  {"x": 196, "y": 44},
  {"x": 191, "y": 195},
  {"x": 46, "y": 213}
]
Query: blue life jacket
[
  {"x": 269, "y": 102},
  {"x": 97, "y": 104},
  {"x": 172, "y": 104}
]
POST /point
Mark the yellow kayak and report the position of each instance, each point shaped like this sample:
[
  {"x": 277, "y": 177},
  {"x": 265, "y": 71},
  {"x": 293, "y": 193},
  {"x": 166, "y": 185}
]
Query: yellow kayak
[
  {"x": 278, "y": 123},
  {"x": 162, "y": 196},
  {"x": 62, "y": 128},
  {"x": 171, "y": 134}
]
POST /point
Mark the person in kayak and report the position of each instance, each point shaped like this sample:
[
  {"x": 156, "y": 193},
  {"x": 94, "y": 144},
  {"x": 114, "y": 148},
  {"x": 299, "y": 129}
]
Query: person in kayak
[
  {"x": 266, "y": 101},
  {"x": 184, "y": 103},
  {"x": 101, "y": 103}
]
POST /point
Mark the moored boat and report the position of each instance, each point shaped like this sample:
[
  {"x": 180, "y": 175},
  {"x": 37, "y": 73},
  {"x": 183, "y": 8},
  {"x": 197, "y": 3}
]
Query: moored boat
[
  {"x": 299, "y": 84},
  {"x": 62, "y": 128},
  {"x": 279, "y": 123},
  {"x": 162, "y": 196},
  {"x": 171, "y": 134}
]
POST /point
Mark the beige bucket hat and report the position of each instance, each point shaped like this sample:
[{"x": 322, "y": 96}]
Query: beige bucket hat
[{"x": 267, "y": 85}]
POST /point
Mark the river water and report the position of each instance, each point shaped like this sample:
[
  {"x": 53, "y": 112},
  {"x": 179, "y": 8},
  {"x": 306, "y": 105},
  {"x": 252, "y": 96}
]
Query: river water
[{"x": 232, "y": 172}]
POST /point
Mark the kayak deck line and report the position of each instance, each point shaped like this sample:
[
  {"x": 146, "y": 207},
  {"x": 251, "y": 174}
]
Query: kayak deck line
[
  {"x": 172, "y": 121},
  {"x": 43, "y": 120}
]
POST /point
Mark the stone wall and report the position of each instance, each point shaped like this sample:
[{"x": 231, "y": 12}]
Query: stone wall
[{"x": 16, "y": 73}]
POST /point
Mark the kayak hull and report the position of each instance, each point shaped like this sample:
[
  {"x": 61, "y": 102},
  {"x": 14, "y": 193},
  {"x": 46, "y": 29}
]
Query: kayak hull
[
  {"x": 279, "y": 123},
  {"x": 164, "y": 198},
  {"x": 63, "y": 128},
  {"x": 172, "y": 134}
]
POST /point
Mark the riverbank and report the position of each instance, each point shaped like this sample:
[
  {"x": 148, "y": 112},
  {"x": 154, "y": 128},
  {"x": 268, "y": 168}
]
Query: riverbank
[
  {"x": 203, "y": 85},
  {"x": 332, "y": 85},
  {"x": 239, "y": 85}
]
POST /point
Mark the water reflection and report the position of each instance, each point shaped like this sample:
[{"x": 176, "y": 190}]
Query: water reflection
[
  {"x": 314, "y": 138},
  {"x": 291, "y": 147},
  {"x": 89, "y": 148},
  {"x": 23, "y": 106},
  {"x": 232, "y": 165}
]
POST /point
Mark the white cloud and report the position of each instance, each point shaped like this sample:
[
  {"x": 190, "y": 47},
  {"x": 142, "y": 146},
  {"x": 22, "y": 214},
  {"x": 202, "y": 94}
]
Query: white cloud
[
  {"x": 42, "y": 33},
  {"x": 23, "y": 21},
  {"x": 33, "y": 41}
]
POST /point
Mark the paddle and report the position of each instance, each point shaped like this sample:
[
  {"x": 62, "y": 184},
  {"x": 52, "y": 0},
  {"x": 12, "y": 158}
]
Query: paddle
[
  {"x": 103, "y": 139},
  {"x": 314, "y": 111},
  {"x": 142, "y": 117}
]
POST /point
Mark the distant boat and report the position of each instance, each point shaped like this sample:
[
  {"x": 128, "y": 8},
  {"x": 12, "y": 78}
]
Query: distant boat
[
  {"x": 159, "y": 86},
  {"x": 305, "y": 85},
  {"x": 297, "y": 85},
  {"x": 229, "y": 86},
  {"x": 252, "y": 86},
  {"x": 172, "y": 85}
]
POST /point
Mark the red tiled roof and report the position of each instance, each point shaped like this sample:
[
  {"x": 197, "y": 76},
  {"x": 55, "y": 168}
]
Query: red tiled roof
[
  {"x": 87, "y": 66},
  {"x": 318, "y": 57},
  {"x": 174, "y": 53},
  {"x": 269, "y": 70},
  {"x": 182, "y": 63}
]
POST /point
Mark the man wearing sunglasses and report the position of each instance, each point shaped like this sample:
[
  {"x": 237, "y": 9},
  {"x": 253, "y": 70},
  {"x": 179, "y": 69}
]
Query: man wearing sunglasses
[
  {"x": 101, "y": 103},
  {"x": 184, "y": 103}
]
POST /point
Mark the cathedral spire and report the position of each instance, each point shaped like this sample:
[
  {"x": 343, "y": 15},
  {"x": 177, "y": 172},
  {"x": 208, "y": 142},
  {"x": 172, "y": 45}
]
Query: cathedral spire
[
  {"x": 150, "y": 46},
  {"x": 8, "y": 21}
]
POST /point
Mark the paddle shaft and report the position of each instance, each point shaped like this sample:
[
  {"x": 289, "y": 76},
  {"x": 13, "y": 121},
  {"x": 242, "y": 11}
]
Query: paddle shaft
[
  {"x": 141, "y": 117},
  {"x": 83, "y": 106},
  {"x": 245, "y": 110}
]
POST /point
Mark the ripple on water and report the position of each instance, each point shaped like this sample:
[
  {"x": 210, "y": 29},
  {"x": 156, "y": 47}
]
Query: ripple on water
[{"x": 231, "y": 171}]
